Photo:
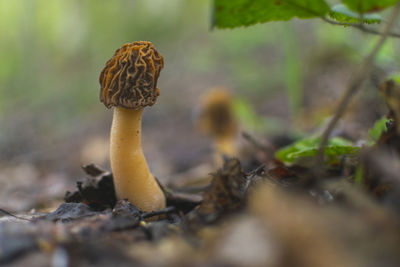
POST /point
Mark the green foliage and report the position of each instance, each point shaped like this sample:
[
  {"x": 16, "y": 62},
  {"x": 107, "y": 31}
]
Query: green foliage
[
  {"x": 394, "y": 76},
  {"x": 293, "y": 72},
  {"x": 308, "y": 147},
  {"x": 359, "y": 175},
  {"x": 251, "y": 120},
  {"x": 234, "y": 13},
  {"x": 368, "y": 5},
  {"x": 342, "y": 13},
  {"x": 376, "y": 131}
]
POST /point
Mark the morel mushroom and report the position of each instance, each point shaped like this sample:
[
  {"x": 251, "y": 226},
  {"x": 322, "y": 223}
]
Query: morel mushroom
[
  {"x": 129, "y": 83},
  {"x": 217, "y": 119}
]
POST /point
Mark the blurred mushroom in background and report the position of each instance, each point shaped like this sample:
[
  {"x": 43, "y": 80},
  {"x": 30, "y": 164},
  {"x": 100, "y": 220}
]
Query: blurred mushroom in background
[{"x": 217, "y": 119}]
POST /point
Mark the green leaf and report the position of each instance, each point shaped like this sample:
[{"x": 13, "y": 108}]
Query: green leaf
[
  {"x": 376, "y": 131},
  {"x": 342, "y": 13},
  {"x": 235, "y": 13},
  {"x": 363, "y": 6},
  {"x": 308, "y": 147},
  {"x": 395, "y": 76},
  {"x": 359, "y": 175}
]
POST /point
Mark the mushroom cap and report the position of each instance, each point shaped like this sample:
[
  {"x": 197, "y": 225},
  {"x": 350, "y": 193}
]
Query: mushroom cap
[
  {"x": 217, "y": 116},
  {"x": 129, "y": 78}
]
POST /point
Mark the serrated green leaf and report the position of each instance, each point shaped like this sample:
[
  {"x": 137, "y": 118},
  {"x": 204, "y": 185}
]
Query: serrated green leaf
[
  {"x": 363, "y": 6},
  {"x": 342, "y": 13},
  {"x": 308, "y": 147},
  {"x": 235, "y": 13}
]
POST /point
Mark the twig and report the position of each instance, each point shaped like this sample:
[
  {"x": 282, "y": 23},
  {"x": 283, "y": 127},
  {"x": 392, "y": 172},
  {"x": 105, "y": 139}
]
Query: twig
[
  {"x": 353, "y": 87},
  {"x": 360, "y": 27},
  {"x": 167, "y": 210},
  {"x": 260, "y": 170},
  {"x": 12, "y": 215},
  {"x": 267, "y": 149}
]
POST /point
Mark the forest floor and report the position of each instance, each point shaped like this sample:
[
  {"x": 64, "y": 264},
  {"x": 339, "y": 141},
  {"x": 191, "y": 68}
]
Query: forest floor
[{"x": 274, "y": 215}]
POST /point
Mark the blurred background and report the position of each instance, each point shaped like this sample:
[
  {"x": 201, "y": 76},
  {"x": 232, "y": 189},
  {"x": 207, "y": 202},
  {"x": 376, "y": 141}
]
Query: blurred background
[{"x": 285, "y": 77}]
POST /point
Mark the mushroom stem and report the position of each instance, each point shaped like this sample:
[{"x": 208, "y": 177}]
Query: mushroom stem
[
  {"x": 132, "y": 177},
  {"x": 226, "y": 145}
]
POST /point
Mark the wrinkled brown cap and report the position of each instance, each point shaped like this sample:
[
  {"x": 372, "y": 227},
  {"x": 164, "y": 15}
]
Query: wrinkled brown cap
[{"x": 129, "y": 78}]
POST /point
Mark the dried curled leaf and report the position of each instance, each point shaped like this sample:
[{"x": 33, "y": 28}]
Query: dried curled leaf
[
  {"x": 226, "y": 194},
  {"x": 97, "y": 190}
]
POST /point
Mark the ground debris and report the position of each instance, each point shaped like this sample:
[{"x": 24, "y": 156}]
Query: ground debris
[
  {"x": 70, "y": 211},
  {"x": 183, "y": 202},
  {"x": 286, "y": 176},
  {"x": 333, "y": 235},
  {"x": 124, "y": 216},
  {"x": 381, "y": 162},
  {"x": 97, "y": 191},
  {"x": 15, "y": 240},
  {"x": 226, "y": 194},
  {"x": 261, "y": 218}
]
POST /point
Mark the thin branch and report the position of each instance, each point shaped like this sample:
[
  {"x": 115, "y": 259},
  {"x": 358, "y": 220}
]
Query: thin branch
[
  {"x": 267, "y": 149},
  {"x": 361, "y": 27},
  {"x": 354, "y": 85},
  {"x": 12, "y": 215},
  {"x": 166, "y": 210},
  {"x": 259, "y": 171}
]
